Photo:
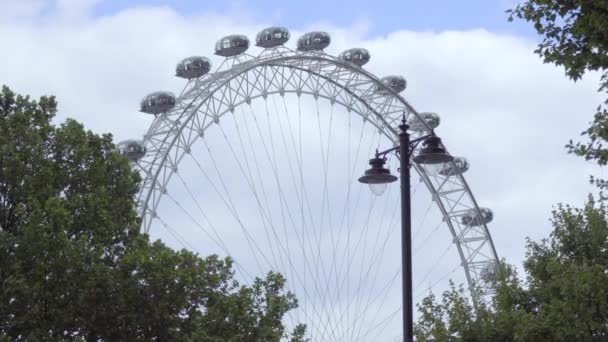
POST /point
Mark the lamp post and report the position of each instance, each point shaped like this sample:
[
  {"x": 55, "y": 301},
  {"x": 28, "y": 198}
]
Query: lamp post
[{"x": 378, "y": 177}]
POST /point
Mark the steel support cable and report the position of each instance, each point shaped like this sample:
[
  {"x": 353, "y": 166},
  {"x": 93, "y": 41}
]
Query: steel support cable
[
  {"x": 346, "y": 209},
  {"x": 430, "y": 287},
  {"x": 283, "y": 200},
  {"x": 251, "y": 182},
  {"x": 264, "y": 213},
  {"x": 230, "y": 205},
  {"x": 324, "y": 191},
  {"x": 380, "y": 256},
  {"x": 349, "y": 218},
  {"x": 426, "y": 239},
  {"x": 249, "y": 238},
  {"x": 377, "y": 259},
  {"x": 217, "y": 239},
  {"x": 220, "y": 243},
  {"x": 301, "y": 169},
  {"x": 302, "y": 192},
  {"x": 325, "y": 164},
  {"x": 363, "y": 256},
  {"x": 348, "y": 232},
  {"x": 335, "y": 297},
  {"x": 350, "y": 260},
  {"x": 422, "y": 221},
  {"x": 236, "y": 263},
  {"x": 249, "y": 179},
  {"x": 299, "y": 193},
  {"x": 363, "y": 313},
  {"x": 293, "y": 177},
  {"x": 304, "y": 199},
  {"x": 191, "y": 217},
  {"x": 299, "y": 159},
  {"x": 428, "y": 273},
  {"x": 176, "y": 235},
  {"x": 318, "y": 242},
  {"x": 291, "y": 168},
  {"x": 335, "y": 247},
  {"x": 384, "y": 294},
  {"x": 311, "y": 214},
  {"x": 273, "y": 165},
  {"x": 260, "y": 206},
  {"x": 383, "y": 324},
  {"x": 385, "y": 291}
]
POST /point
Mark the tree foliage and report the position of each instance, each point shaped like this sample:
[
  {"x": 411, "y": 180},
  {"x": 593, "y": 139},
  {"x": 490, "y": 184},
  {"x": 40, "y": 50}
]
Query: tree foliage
[
  {"x": 73, "y": 265},
  {"x": 574, "y": 33},
  {"x": 563, "y": 296},
  {"x": 575, "y": 36}
]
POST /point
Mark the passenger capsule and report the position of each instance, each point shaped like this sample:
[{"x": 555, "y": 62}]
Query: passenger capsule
[
  {"x": 134, "y": 150},
  {"x": 272, "y": 37},
  {"x": 314, "y": 41},
  {"x": 449, "y": 169},
  {"x": 231, "y": 45},
  {"x": 193, "y": 67},
  {"x": 396, "y": 83},
  {"x": 431, "y": 119},
  {"x": 358, "y": 56},
  {"x": 472, "y": 218},
  {"x": 158, "y": 102}
]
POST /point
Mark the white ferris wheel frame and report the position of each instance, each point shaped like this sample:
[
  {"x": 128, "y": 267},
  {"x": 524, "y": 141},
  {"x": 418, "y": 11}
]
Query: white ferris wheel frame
[{"x": 280, "y": 70}]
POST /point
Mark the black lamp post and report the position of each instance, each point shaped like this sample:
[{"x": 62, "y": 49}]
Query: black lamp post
[{"x": 377, "y": 177}]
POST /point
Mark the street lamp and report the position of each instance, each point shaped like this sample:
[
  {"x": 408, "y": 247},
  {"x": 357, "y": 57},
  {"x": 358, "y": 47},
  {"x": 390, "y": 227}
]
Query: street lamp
[{"x": 377, "y": 177}]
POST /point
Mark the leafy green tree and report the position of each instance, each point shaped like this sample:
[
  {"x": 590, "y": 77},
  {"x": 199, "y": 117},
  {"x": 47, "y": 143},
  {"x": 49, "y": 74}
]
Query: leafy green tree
[
  {"x": 575, "y": 36},
  {"x": 563, "y": 297},
  {"x": 73, "y": 265}
]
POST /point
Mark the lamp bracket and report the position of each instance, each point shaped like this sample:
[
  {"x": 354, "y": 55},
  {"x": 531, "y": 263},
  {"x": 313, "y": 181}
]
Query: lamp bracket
[{"x": 413, "y": 144}]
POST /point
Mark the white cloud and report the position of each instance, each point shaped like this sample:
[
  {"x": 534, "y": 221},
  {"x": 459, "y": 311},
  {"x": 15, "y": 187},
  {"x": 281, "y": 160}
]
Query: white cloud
[{"x": 504, "y": 110}]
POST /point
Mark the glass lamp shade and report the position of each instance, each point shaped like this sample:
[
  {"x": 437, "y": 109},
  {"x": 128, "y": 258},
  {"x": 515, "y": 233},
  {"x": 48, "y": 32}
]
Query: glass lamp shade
[
  {"x": 434, "y": 168},
  {"x": 378, "y": 188}
]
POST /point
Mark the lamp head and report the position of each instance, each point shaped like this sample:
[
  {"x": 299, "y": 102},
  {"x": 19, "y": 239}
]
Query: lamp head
[
  {"x": 432, "y": 152},
  {"x": 377, "y": 176}
]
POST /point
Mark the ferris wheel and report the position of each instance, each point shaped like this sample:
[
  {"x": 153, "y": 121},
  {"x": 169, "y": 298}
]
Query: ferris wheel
[{"x": 259, "y": 160}]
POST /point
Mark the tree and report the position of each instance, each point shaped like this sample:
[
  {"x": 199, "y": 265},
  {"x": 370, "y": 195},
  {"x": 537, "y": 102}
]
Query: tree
[
  {"x": 563, "y": 297},
  {"x": 575, "y": 36},
  {"x": 73, "y": 265}
]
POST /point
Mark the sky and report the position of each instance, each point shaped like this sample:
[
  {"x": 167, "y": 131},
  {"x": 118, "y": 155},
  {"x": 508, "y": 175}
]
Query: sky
[
  {"x": 500, "y": 106},
  {"x": 382, "y": 17}
]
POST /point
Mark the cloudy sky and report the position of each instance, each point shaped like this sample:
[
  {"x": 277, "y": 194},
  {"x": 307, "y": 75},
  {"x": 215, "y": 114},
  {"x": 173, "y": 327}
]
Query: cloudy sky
[{"x": 508, "y": 113}]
